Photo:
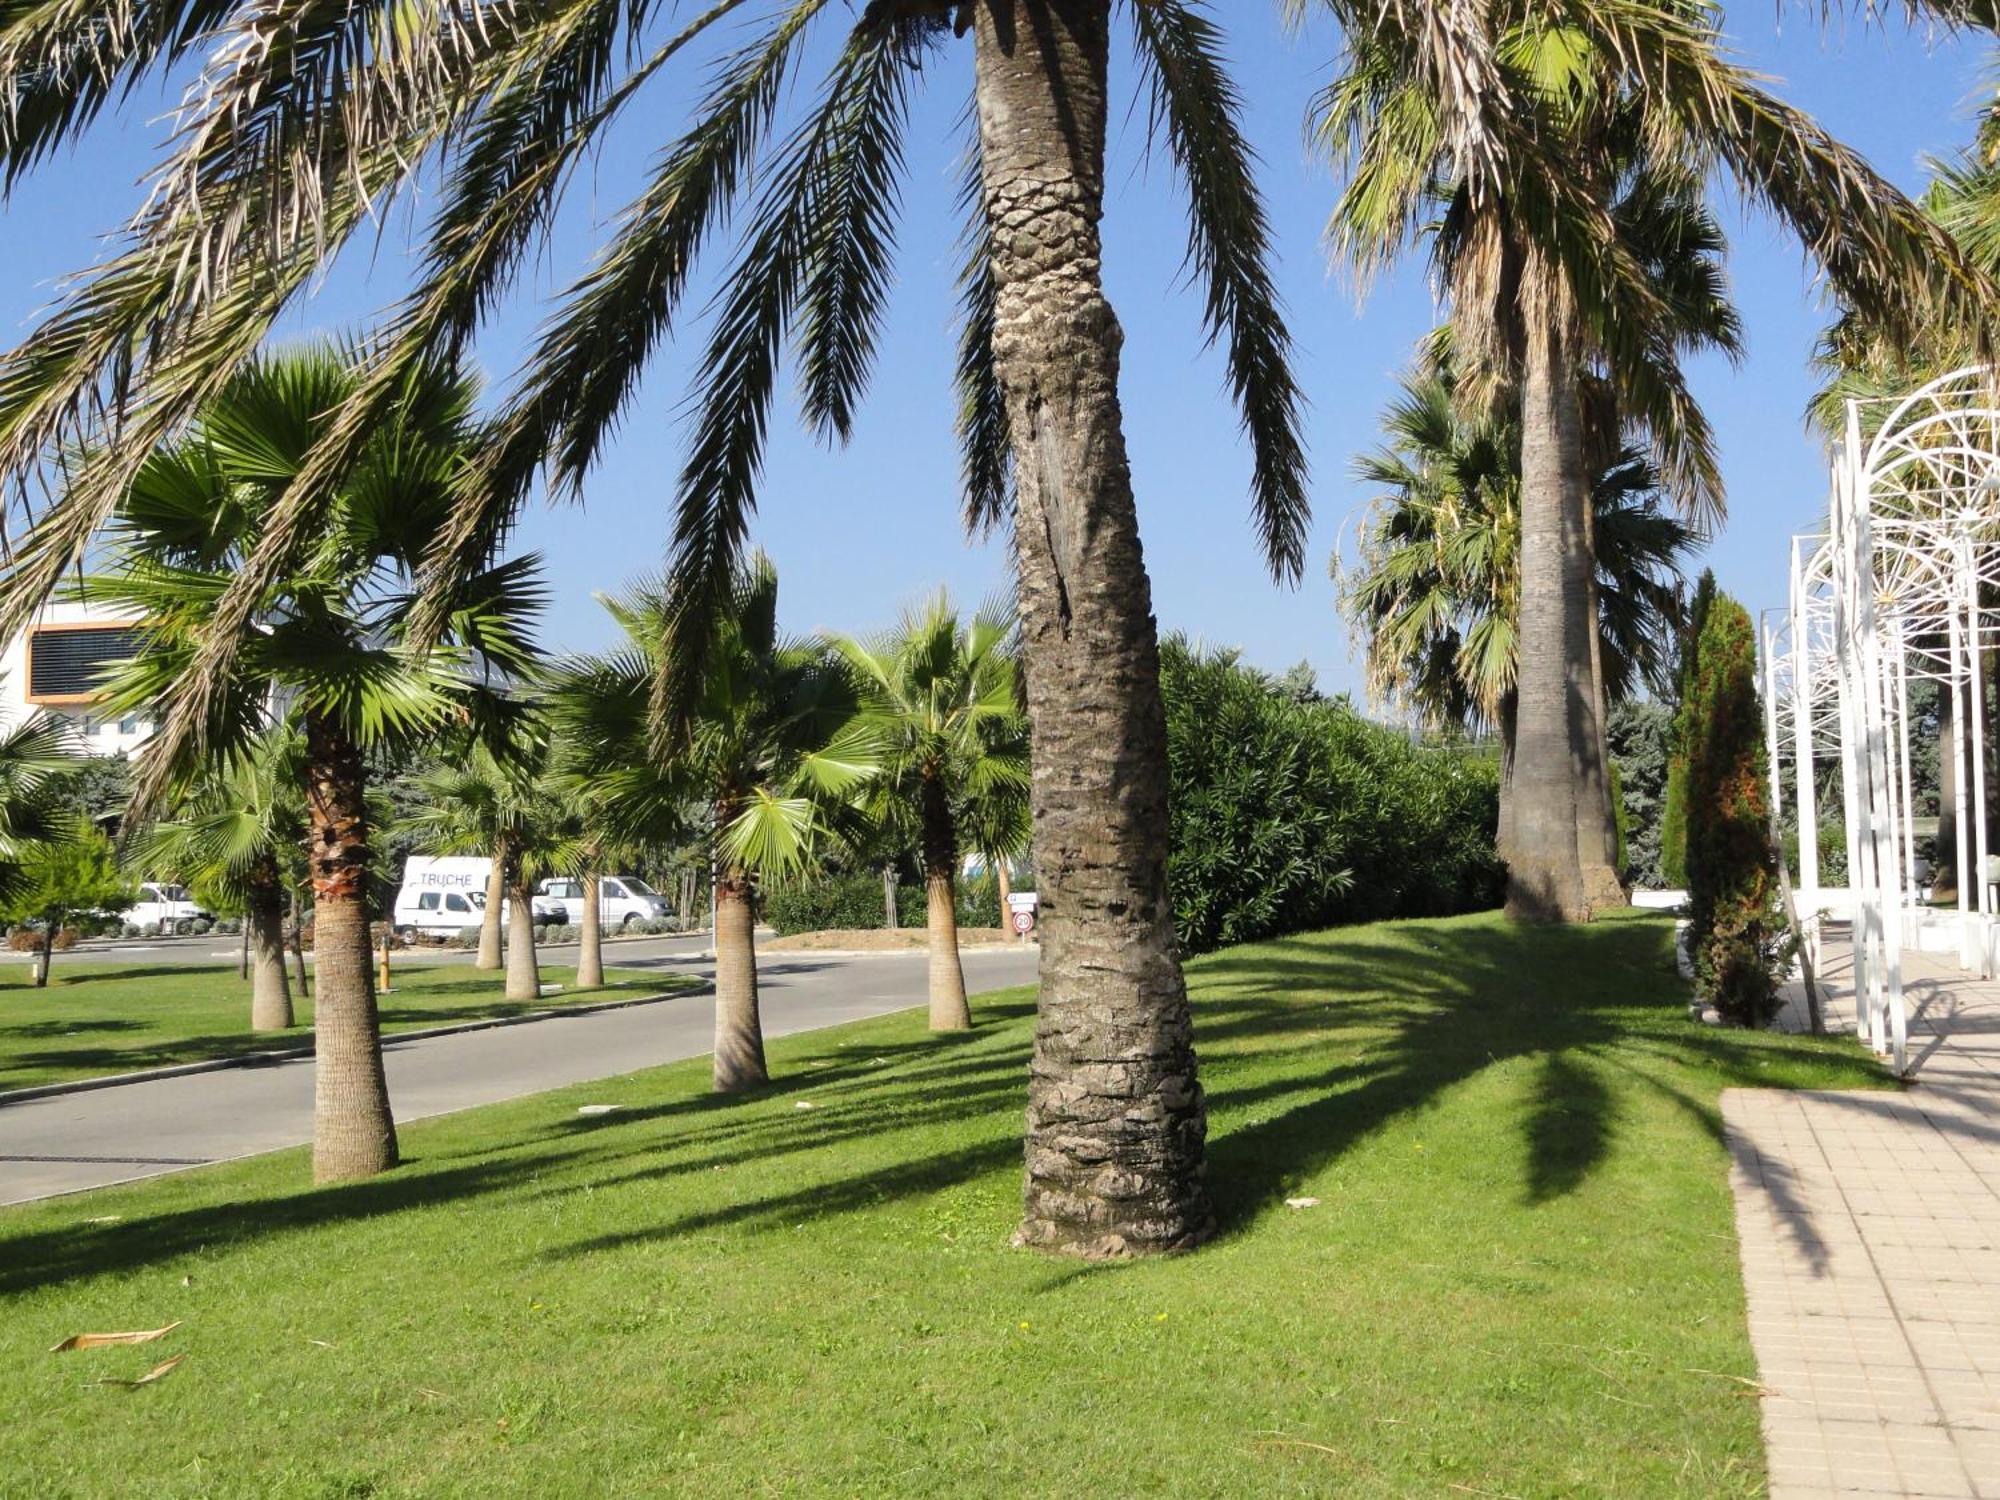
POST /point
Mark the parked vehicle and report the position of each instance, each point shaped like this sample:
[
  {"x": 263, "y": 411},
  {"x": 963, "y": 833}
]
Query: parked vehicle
[
  {"x": 168, "y": 908},
  {"x": 621, "y": 899},
  {"x": 442, "y": 895}
]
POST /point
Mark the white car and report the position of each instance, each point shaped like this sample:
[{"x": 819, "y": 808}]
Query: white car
[
  {"x": 165, "y": 907},
  {"x": 621, "y": 899},
  {"x": 442, "y": 895}
]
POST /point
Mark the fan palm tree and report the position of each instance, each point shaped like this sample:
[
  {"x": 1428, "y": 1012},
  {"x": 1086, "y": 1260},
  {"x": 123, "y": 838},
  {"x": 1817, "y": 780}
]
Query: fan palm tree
[
  {"x": 1524, "y": 117},
  {"x": 942, "y": 700},
  {"x": 287, "y": 148},
  {"x": 604, "y": 831},
  {"x": 501, "y": 805},
  {"x": 1436, "y": 590},
  {"x": 36, "y": 755},
  {"x": 238, "y": 830},
  {"x": 327, "y": 651},
  {"x": 772, "y": 737}
]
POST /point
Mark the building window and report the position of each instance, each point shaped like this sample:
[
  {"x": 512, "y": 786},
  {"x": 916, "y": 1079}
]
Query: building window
[{"x": 67, "y": 663}]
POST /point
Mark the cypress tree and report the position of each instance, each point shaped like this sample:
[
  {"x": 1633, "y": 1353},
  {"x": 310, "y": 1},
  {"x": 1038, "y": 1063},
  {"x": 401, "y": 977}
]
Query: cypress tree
[{"x": 1738, "y": 935}]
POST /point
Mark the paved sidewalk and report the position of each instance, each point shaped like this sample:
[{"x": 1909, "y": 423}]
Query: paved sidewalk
[
  {"x": 1870, "y": 1231},
  {"x": 75, "y": 1141}
]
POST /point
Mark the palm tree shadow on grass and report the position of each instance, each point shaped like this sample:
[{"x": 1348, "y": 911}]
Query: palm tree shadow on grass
[{"x": 1365, "y": 1027}]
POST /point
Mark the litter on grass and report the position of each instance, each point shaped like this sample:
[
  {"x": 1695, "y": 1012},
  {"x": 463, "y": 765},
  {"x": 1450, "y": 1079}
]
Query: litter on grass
[
  {"x": 102, "y": 1340},
  {"x": 164, "y": 1368}
]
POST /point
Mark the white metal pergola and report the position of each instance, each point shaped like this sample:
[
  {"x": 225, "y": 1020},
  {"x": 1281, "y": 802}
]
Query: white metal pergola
[{"x": 1888, "y": 595}]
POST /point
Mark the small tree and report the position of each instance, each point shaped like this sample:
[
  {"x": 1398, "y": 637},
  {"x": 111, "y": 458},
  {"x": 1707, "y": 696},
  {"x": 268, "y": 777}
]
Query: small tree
[
  {"x": 1737, "y": 934},
  {"x": 1674, "y": 814},
  {"x": 73, "y": 873}
]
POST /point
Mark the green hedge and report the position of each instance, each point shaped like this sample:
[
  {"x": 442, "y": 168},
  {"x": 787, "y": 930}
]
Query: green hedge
[
  {"x": 855, "y": 901},
  {"x": 1291, "y": 814}
]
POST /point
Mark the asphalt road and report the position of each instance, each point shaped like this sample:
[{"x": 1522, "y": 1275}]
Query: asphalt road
[
  {"x": 75, "y": 1141},
  {"x": 630, "y": 953}
]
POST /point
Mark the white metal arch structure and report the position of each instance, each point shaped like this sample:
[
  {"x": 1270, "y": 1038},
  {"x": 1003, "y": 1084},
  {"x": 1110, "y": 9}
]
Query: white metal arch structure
[{"x": 1889, "y": 593}]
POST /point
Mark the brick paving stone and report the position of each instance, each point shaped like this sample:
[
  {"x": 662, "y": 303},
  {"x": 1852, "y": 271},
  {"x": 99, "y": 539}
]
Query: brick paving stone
[{"x": 1869, "y": 1228}]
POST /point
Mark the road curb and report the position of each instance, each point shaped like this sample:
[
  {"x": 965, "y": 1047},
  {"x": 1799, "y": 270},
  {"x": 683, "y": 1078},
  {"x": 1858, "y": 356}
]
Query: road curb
[
  {"x": 265, "y": 1059},
  {"x": 779, "y": 954}
]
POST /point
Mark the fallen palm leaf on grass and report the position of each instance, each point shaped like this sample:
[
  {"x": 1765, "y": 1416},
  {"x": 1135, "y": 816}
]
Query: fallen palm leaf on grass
[
  {"x": 163, "y": 1368},
  {"x": 101, "y": 1340}
]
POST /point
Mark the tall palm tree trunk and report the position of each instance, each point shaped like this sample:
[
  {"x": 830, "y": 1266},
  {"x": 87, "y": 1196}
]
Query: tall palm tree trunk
[
  {"x": 949, "y": 1012},
  {"x": 1117, "y": 1125},
  {"x": 354, "y": 1134},
  {"x": 1003, "y": 882},
  {"x": 1544, "y": 874},
  {"x": 47, "y": 954},
  {"x": 590, "y": 937},
  {"x": 524, "y": 975},
  {"x": 295, "y": 936},
  {"x": 1944, "y": 883},
  {"x": 264, "y": 925},
  {"x": 739, "y": 1029},
  {"x": 489, "y": 916},
  {"x": 1509, "y": 716},
  {"x": 1596, "y": 819}
]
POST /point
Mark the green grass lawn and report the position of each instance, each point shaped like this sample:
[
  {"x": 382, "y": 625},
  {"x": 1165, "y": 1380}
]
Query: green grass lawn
[
  {"x": 101, "y": 1018},
  {"x": 1520, "y": 1279}
]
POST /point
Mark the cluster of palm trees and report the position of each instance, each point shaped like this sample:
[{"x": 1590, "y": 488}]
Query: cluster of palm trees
[
  {"x": 1516, "y": 127},
  {"x": 792, "y": 745}
]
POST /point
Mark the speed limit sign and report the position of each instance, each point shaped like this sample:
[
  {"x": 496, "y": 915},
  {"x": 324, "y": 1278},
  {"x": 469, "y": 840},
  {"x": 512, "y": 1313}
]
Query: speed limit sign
[{"x": 1021, "y": 907}]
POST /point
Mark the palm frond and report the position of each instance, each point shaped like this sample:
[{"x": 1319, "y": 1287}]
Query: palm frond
[
  {"x": 986, "y": 444},
  {"x": 1229, "y": 248}
]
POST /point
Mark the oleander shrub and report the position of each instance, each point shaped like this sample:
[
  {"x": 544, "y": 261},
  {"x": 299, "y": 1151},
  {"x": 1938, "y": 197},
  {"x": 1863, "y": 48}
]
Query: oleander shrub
[
  {"x": 1291, "y": 813},
  {"x": 853, "y": 900},
  {"x": 1736, "y": 934},
  {"x": 29, "y": 939}
]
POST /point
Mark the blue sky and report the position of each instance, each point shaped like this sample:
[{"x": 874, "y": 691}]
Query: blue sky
[{"x": 859, "y": 531}]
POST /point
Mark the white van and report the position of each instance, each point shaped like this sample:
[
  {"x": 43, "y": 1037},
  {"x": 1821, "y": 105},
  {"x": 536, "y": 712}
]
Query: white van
[
  {"x": 621, "y": 899},
  {"x": 167, "y": 908},
  {"x": 442, "y": 895}
]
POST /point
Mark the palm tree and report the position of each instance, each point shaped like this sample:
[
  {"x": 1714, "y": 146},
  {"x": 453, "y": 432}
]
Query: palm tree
[
  {"x": 238, "y": 829},
  {"x": 942, "y": 700},
  {"x": 285, "y": 151},
  {"x": 604, "y": 830},
  {"x": 36, "y": 755},
  {"x": 772, "y": 736},
  {"x": 1435, "y": 592},
  {"x": 1526, "y": 127},
  {"x": 328, "y": 651},
  {"x": 502, "y": 805}
]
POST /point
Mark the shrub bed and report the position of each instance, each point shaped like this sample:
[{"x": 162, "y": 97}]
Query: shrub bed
[{"x": 1291, "y": 813}]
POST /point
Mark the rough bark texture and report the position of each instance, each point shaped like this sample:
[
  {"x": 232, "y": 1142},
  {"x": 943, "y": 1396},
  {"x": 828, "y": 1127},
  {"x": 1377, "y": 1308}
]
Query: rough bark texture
[
  {"x": 264, "y": 926},
  {"x": 1005, "y": 884},
  {"x": 590, "y": 937},
  {"x": 489, "y": 916},
  {"x": 949, "y": 1012},
  {"x": 1117, "y": 1124},
  {"x": 353, "y": 1132},
  {"x": 891, "y": 918},
  {"x": 46, "y": 957},
  {"x": 1544, "y": 875},
  {"x": 739, "y": 1029},
  {"x": 524, "y": 975}
]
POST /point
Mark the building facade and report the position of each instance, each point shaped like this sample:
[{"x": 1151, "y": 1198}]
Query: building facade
[{"x": 55, "y": 666}]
